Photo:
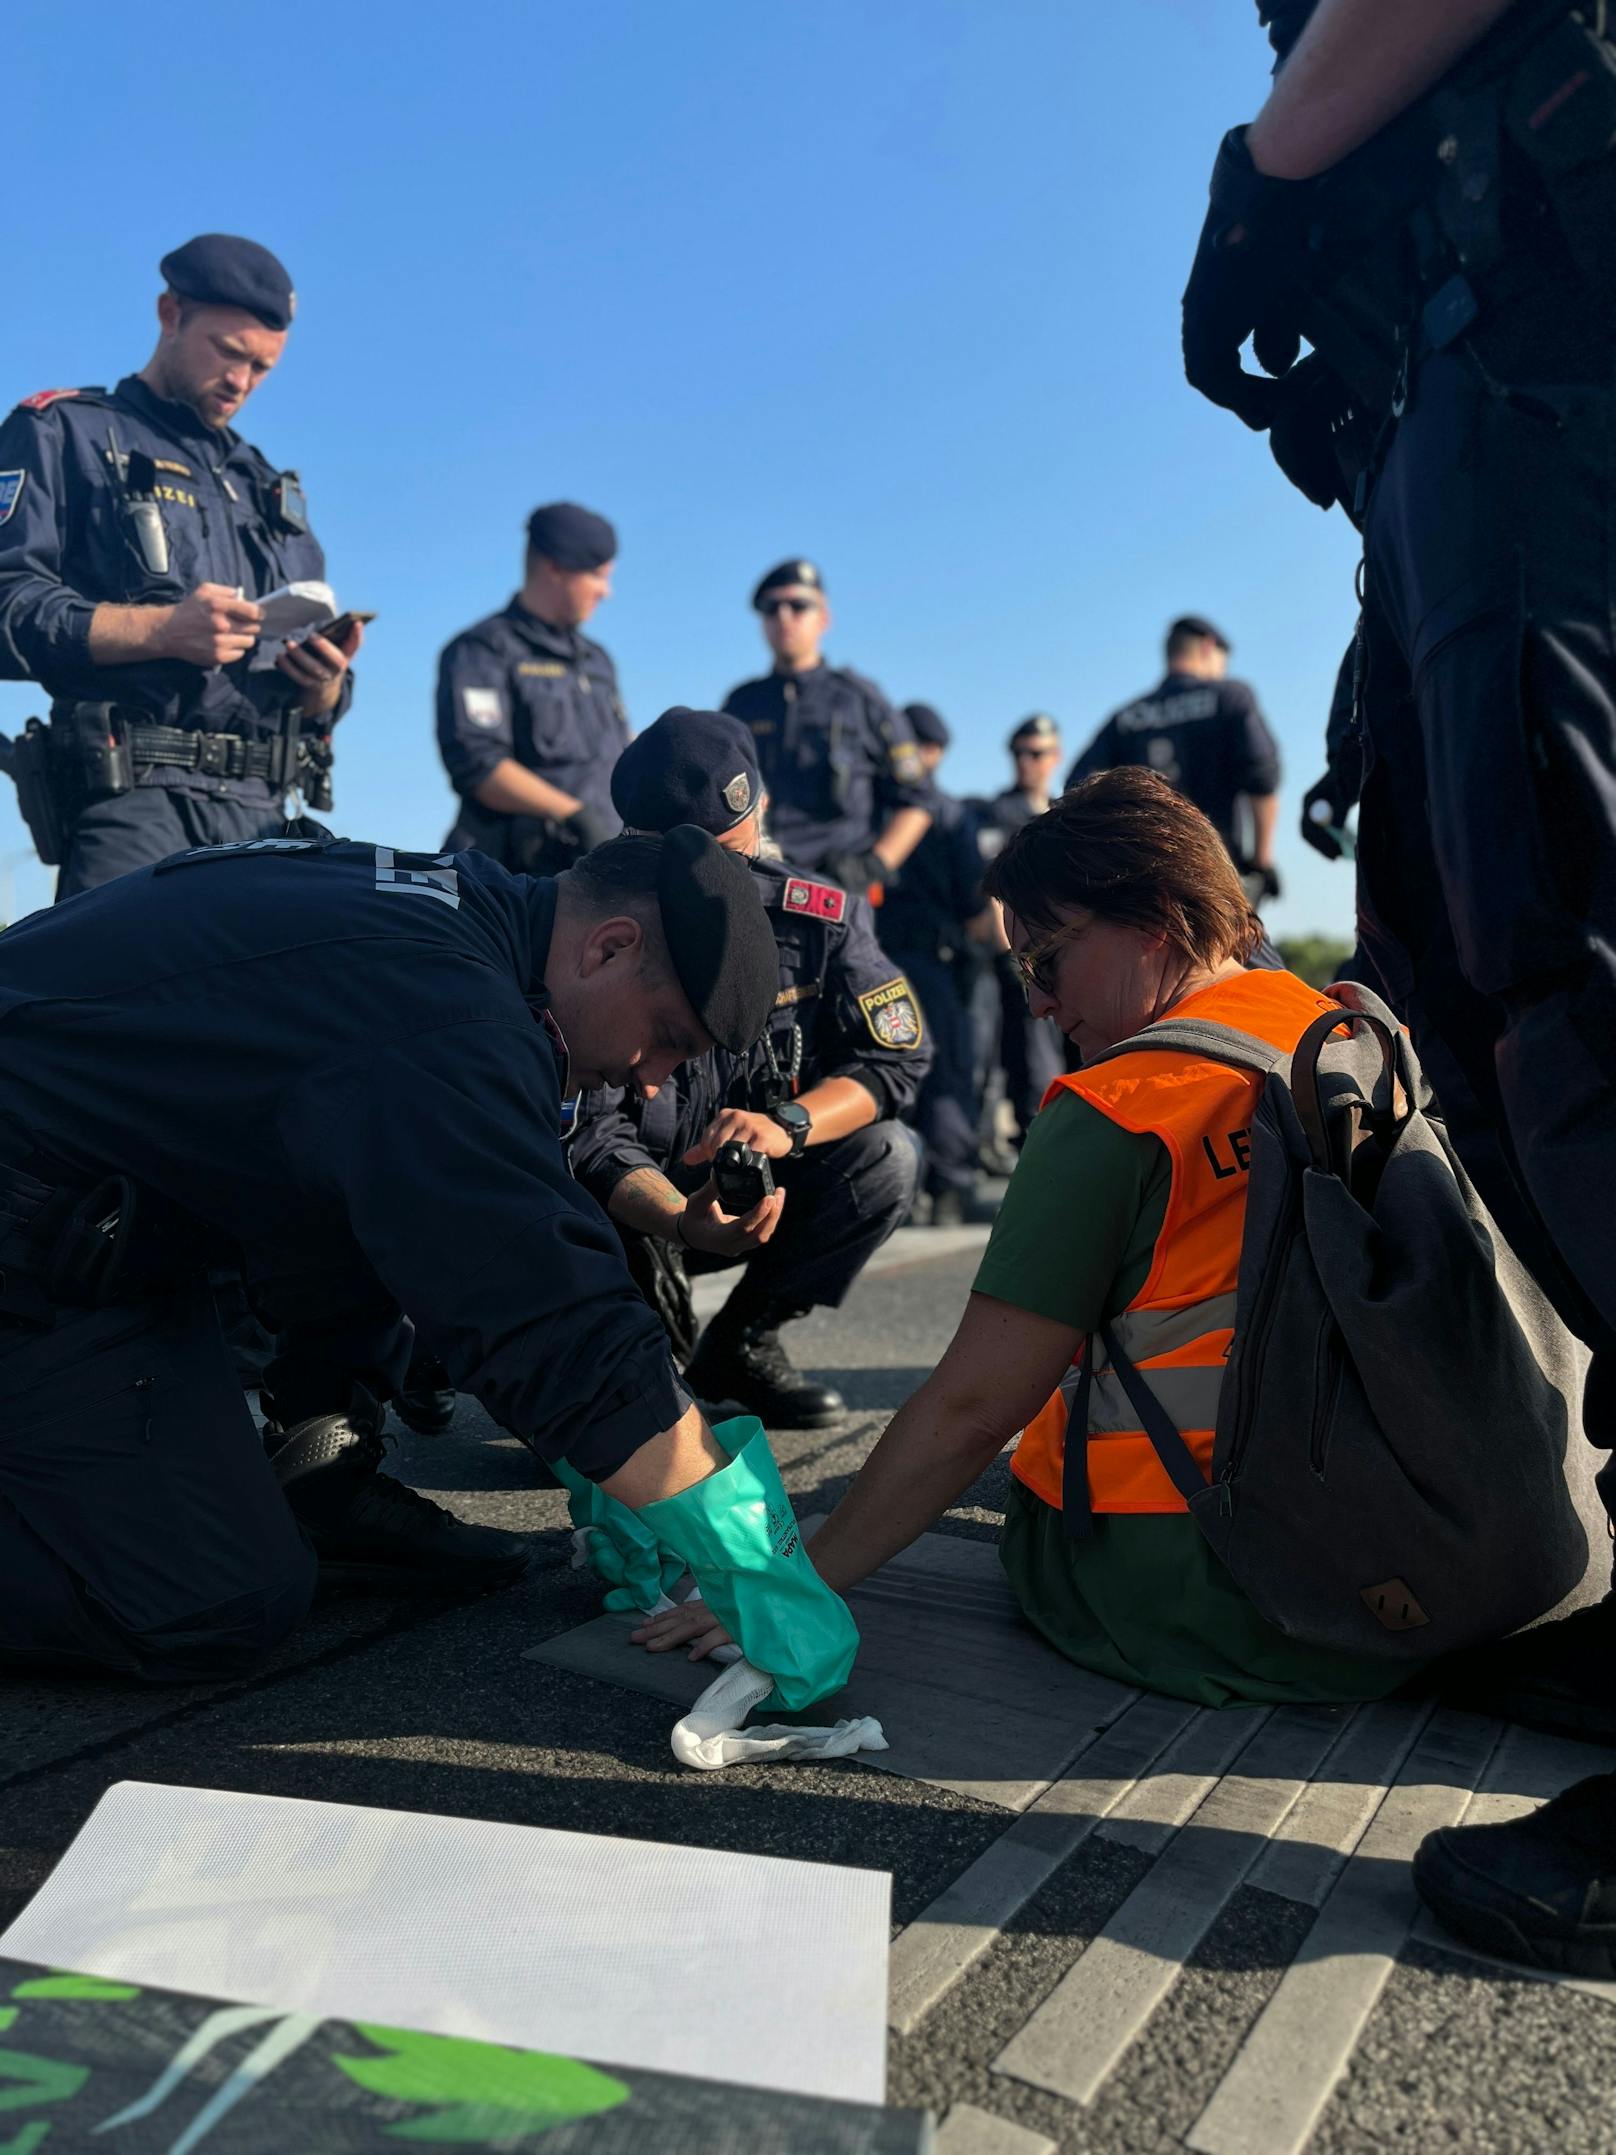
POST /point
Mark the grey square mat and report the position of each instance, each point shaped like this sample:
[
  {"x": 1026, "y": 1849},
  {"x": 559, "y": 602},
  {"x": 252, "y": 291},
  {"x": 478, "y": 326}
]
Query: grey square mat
[{"x": 970, "y": 1698}]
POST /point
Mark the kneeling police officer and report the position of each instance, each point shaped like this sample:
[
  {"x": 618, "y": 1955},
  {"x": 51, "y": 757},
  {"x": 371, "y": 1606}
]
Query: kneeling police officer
[
  {"x": 347, "y": 1065},
  {"x": 137, "y": 532},
  {"x": 844, "y": 1055}
]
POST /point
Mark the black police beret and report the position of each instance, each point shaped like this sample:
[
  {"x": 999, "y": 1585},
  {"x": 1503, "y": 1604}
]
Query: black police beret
[
  {"x": 929, "y": 727},
  {"x": 1197, "y": 625},
  {"x": 1040, "y": 727},
  {"x": 690, "y": 767},
  {"x": 571, "y": 537},
  {"x": 222, "y": 271},
  {"x": 718, "y": 936},
  {"x": 787, "y": 573}
]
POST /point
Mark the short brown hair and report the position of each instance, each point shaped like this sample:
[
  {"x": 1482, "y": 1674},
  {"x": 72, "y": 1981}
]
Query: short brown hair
[{"x": 1125, "y": 846}]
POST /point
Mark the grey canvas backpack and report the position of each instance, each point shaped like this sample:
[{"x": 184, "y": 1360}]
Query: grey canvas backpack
[{"x": 1388, "y": 1472}]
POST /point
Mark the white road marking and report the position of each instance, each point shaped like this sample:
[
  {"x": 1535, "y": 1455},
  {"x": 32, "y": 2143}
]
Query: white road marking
[
  {"x": 1305, "y": 1856},
  {"x": 1079, "y": 2035},
  {"x": 1286, "y": 2070},
  {"x": 969, "y": 2131}
]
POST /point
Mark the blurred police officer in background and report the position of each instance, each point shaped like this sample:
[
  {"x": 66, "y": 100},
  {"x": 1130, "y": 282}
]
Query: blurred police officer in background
[
  {"x": 137, "y": 530},
  {"x": 847, "y": 791},
  {"x": 843, "y": 1056},
  {"x": 937, "y": 924},
  {"x": 1205, "y": 735},
  {"x": 348, "y": 1066},
  {"x": 529, "y": 718},
  {"x": 1428, "y": 197},
  {"x": 1028, "y": 1050}
]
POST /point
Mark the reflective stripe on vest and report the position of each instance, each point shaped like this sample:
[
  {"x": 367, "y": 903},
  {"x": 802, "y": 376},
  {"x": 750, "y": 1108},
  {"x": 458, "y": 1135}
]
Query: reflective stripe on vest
[{"x": 1179, "y": 1327}]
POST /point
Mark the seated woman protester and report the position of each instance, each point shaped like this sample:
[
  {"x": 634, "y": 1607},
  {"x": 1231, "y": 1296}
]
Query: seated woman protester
[{"x": 1126, "y": 1210}]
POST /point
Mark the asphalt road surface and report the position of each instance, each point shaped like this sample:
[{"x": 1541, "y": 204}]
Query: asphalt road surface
[{"x": 1206, "y": 1946}]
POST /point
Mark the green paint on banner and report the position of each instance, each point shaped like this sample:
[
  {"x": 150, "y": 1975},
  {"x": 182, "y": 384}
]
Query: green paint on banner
[
  {"x": 487, "y": 2090},
  {"x": 8, "y": 2014},
  {"x": 37, "y": 2080},
  {"x": 25, "y": 2142},
  {"x": 64, "y": 1984}
]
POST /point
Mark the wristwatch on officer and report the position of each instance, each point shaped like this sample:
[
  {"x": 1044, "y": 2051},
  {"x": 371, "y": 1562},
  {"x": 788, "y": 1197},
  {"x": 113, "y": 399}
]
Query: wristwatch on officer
[{"x": 796, "y": 1123}]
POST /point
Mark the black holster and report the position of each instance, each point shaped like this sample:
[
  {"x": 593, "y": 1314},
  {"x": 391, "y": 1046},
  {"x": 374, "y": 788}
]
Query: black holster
[{"x": 41, "y": 797}]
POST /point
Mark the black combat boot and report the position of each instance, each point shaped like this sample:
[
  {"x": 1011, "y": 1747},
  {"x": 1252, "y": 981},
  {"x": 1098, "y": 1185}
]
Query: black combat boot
[
  {"x": 741, "y": 1358},
  {"x": 426, "y": 1400},
  {"x": 1540, "y": 1889},
  {"x": 369, "y": 1530}
]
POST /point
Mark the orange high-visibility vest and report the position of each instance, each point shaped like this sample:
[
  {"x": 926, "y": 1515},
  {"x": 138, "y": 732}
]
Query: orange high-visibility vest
[{"x": 1178, "y": 1328}]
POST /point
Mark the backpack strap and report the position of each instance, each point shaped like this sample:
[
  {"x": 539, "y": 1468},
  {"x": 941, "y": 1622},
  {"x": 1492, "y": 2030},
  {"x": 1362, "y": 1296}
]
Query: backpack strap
[
  {"x": 1077, "y": 1515},
  {"x": 1201, "y": 1036}
]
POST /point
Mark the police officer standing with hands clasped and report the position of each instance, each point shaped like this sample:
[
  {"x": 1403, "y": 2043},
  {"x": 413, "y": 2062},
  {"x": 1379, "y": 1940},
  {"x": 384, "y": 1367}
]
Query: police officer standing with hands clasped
[
  {"x": 843, "y": 1056},
  {"x": 1428, "y": 197},
  {"x": 848, "y": 791},
  {"x": 529, "y": 719},
  {"x": 137, "y": 532}
]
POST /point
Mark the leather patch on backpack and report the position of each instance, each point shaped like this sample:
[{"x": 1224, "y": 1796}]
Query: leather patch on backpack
[{"x": 1392, "y": 1603}]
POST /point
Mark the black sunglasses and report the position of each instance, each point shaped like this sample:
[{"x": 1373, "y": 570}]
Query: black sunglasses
[
  {"x": 789, "y": 606},
  {"x": 1035, "y": 963}
]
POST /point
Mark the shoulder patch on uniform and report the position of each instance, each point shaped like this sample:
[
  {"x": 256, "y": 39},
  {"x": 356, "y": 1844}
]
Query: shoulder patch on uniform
[
  {"x": 892, "y": 1014},
  {"x": 42, "y": 398},
  {"x": 823, "y": 901},
  {"x": 483, "y": 706},
  {"x": 10, "y": 492}
]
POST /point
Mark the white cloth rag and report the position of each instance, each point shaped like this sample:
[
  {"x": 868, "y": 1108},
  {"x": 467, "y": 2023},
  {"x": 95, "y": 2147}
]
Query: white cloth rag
[{"x": 710, "y": 1735}]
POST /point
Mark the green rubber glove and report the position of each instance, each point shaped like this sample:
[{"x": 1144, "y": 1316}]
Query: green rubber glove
[
  {"x": 739, "y": 1536},
  {"x": 619, "y": 1551}
]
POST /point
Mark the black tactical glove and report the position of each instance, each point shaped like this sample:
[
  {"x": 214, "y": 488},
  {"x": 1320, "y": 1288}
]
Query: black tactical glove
[
  {"x": 1325, "y": 808},
  {"x": 857, "y": 871},
  {"x": 1269, "y": 885},
  {"x": 587, "y": 828},
  {"x": 1312, "y": 404},
  {"x": 1237, "y": 288}
]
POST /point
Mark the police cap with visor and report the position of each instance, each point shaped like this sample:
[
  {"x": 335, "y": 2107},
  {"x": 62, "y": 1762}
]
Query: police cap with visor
[
  {"x": 718, "y": 935},
  {"x": 690, "y": 767},
  {"x": 218, "y": 270},
  {"x": 786, "y": 576},
  {"x": 571, "y": 537},
  {"x": 929, "y": 727},
  {"x": 1040, "y": 729},
  {"x": 1197, "y": 625}
]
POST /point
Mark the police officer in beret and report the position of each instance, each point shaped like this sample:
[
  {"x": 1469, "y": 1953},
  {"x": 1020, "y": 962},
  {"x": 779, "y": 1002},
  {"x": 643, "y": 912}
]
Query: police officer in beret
[
  {"x": 1206, "y": 735},
  {"x": 848, "y": 794},
  {"x": 1029, "y": 1050},
  {"x": 137, "y": 532},
  {"x": 345, "y": 1067},
  {"x": 844, "y": 1055},
  {"x": 938, "y": 924},
  {"x": 529, "y": 718}
]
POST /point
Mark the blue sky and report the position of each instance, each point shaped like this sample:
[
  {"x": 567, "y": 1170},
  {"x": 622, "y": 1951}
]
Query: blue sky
[{"x": 891, "y": 283}]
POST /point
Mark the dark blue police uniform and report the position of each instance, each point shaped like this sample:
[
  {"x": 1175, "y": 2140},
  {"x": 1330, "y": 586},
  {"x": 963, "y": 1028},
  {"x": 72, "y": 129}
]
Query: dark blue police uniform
[
  {"x": 332, "y": 1059},
  {"x": 843, "y": 1010},
  {"x": 1031, "y": 1050},
  {"x": 513, "y": 686},
  {"x": 922, "y": 928},
  {"x": 1206, "y": 738},
  {"x": 210, "y": 752},
  {"x": 837, "y": 759}
]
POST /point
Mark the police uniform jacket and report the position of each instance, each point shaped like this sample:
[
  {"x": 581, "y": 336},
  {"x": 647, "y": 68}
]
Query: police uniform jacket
[
  {"x": 836, "y": 758},
  {"x": 843, "y": 1010},
  {"x": 1207, "y": 738},
  {"x": 513, "y": 686},
  {"x": 336, "y": 1057},
  {"x": 939, "y": 887},
  {"x": 66, "y": 547}
]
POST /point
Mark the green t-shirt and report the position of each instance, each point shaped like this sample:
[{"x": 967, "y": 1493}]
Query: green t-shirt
[{"x": 1144, "y": 1599}]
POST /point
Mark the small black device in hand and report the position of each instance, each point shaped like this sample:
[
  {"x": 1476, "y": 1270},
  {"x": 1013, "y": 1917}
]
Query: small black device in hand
[{"x": 744, "y": 1178}]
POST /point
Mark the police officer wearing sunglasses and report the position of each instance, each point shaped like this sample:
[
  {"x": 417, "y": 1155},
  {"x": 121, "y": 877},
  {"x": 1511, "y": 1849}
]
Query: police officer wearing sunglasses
[{"x": 841, "y": 767}]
